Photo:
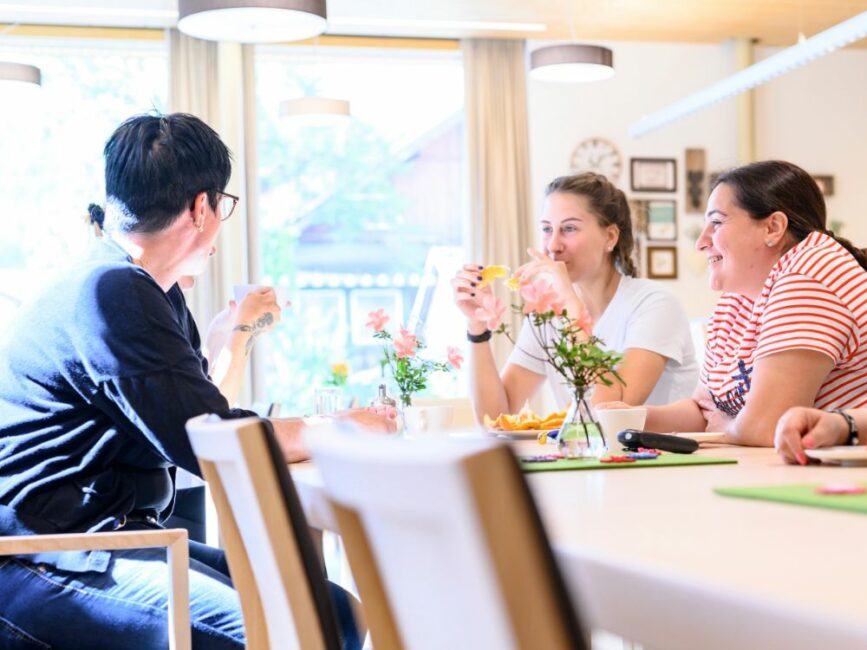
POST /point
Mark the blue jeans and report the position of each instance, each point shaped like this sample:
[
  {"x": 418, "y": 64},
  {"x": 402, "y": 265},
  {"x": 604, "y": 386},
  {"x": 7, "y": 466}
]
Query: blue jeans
[{"x": 125, "y": 607}]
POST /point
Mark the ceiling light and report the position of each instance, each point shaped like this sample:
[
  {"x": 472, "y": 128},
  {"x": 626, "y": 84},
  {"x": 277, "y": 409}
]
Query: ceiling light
[
  {"x": 315, "y": 111},
  {"x": 778, "y": 64},
  {"x": 252, "y": 21},
  {"x": 572, "y": 63},
  {"x": 19, "y": 74}
]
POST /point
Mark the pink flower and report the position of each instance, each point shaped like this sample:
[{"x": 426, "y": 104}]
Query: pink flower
[
  {"x": 583, "y": 322},
  {"x": 491, "y": 311},
  {"x": 378, "y": 319},
  {"x": 539, "y": 296},
  {"x": 455, "y": 356},
  {"x": 405, "y": 344}
]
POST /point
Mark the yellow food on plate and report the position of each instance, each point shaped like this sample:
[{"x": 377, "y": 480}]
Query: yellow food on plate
[{"x": 526, "y": 420}]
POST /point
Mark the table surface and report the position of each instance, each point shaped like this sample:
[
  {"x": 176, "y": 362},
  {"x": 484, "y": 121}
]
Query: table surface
[{"x": 666, "y": 526}]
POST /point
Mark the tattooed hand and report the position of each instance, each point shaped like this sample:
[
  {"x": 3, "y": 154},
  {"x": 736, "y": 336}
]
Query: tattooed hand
[{"x": 257, "y": 314}]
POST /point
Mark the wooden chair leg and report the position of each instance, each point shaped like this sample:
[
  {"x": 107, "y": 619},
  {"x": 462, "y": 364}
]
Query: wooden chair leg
[{"x": 178, "y": 564}]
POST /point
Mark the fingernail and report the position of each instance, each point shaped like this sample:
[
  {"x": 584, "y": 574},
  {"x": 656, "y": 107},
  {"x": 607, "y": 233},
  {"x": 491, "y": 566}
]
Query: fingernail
[
  {"x": 479, "y": 278},
  {"x": 472, "y": 284},
  {"x": 802, "y": 459},
  {"x": 480, "y": 268},
  {"x": 473, "y": 294}
]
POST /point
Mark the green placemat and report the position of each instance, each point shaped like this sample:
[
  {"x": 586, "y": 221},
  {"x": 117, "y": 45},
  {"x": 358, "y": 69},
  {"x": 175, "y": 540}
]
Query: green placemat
[
  {"x": 801, "y": 495},
  {"x": 665, "y": 460}
]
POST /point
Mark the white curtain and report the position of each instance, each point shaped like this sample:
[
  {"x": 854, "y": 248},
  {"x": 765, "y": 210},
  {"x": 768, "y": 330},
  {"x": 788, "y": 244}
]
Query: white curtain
[
  {"x": 499, "y": 159},
  {"x": 215, "y": 83},
  {"x": 207, "y": 81}
]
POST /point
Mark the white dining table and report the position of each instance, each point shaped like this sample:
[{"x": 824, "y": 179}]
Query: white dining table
[{"x": 655, "y": 556}]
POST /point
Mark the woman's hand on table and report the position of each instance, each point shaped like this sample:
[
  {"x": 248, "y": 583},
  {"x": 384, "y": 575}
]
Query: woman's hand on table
[
  {"x": 803, "y": 428},
  {"x": 370, "y": 418},
  {"x": 717, "y": 421}
]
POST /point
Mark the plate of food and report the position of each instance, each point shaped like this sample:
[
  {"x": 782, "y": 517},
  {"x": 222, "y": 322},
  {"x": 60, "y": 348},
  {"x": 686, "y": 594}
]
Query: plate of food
[
  {"x": 703, "y": 436},
  {"x": 842, "y": 455},
  {"x": 525, "y": 425}
]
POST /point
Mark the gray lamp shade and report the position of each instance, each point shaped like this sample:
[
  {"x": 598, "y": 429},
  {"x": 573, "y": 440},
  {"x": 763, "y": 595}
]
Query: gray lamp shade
[
  {"x": 20, "y": 72},
  {"x": 572, "y": 63},
  {"x": 252, "y": 21}
]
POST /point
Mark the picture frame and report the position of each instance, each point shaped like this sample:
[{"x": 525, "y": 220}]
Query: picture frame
[
  {"x": 662, "y": 220},
  {"x": 825, "y": 183},
  {"x": 662, "y": 262},
  {"x": 653, "y": 174}
]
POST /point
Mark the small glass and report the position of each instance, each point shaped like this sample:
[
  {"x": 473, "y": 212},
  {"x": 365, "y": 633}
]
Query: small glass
[{"x": 327, "y": 400}]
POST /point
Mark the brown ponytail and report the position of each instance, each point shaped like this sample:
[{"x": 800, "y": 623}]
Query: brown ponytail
[{"x": 610, "y": 207}]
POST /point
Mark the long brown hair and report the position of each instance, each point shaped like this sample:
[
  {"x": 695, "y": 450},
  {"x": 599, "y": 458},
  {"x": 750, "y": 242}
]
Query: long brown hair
[
  {"x": 762, "y": 188},
  {"x": 610, "y": 207}
]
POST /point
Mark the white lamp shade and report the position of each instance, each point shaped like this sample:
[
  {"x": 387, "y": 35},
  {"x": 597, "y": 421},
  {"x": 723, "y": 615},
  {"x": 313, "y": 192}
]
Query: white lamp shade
[
  {"x": 315, "y": 111},
  {"x": 19, "y": 73},
  {"x": 572, "y": 63},
  {"x": 252, "y": 21}
]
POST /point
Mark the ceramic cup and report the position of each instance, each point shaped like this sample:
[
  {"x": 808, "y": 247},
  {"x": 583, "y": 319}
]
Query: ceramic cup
[
  {"x": 613, "y": 421},
  {"x": 241, "y": 290},
  {"x": 427, "y": 420}
]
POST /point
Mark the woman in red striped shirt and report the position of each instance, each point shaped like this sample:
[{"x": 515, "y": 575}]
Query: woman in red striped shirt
[{"x": 790, "y": 328}]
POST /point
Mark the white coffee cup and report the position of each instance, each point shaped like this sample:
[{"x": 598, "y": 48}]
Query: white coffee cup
[
  {"x": 613, "y": 421},
  {"x": 239, "y": 291},
  {"x": 424, "y": 420}
]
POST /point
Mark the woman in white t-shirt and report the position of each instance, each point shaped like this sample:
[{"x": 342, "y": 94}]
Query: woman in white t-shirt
[
  {"x": 790, "y": 329},
  {"x": 587, "y": 240}
]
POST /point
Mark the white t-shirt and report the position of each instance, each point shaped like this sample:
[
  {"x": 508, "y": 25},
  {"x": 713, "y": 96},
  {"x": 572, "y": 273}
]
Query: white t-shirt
[{"x": 640, "y": 315}]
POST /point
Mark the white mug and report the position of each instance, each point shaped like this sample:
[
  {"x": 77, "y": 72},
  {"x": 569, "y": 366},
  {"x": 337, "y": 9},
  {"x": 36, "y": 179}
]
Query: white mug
[
  {"x": 422, "y": 420},
  {"x": 239, "y": 291},
  {"x": 613, "y": 421}
]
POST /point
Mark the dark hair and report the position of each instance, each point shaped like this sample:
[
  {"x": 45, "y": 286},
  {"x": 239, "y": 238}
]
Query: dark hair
[
  {"x": 96, "y": 218},
  {"x": 610, "y": 207},
  {"x": 762, "y": 188},
  {"x": 155, "y": 165}
]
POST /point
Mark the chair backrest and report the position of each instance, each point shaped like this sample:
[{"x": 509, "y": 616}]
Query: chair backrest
[
  {"x": 456, "y": 543},
  {"x": 275, "y": 567}
]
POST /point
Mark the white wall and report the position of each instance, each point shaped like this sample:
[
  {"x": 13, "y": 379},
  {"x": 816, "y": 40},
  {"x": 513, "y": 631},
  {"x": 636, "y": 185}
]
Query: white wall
[{"x": 815, "y": 117}]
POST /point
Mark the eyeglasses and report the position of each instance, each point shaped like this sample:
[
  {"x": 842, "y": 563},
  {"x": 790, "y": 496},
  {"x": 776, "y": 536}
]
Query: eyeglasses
[{"x": 228, "y": 203}]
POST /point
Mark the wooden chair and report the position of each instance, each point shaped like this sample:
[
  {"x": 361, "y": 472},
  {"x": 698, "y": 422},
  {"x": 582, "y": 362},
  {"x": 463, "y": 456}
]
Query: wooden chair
[
  {"x": 284, "y": 595},
  {"x": 444, "y": 538},
  {"x": 177, "y": 555}
]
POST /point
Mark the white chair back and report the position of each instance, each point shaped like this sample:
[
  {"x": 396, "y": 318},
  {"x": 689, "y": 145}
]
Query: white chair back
[
  {"x": 455, "y": 539},
  {"x": 275, "y": 568}
]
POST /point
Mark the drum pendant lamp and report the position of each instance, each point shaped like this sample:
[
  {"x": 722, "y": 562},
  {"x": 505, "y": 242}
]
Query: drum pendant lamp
[
  {"x": 571, "y": 63},
  {"x": 252, "y": 21}
]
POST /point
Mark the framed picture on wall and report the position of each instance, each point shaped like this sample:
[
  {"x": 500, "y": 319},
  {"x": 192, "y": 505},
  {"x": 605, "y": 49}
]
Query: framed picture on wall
[
  {"x": 662, "y": 220},
  {"x": 826, "y": 184},
  {"x": 662, "y": 262},
  {"x": 653, "y": 174}
]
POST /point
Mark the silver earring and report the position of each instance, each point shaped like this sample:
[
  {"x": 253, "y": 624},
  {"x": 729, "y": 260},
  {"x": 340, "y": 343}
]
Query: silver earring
[{"x": 769, "y": 243}]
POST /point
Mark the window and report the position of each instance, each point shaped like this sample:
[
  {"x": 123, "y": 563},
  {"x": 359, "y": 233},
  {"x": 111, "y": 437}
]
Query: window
[
  {"x": 367, "y": 214},
  {"x": 51, "y": 147}
]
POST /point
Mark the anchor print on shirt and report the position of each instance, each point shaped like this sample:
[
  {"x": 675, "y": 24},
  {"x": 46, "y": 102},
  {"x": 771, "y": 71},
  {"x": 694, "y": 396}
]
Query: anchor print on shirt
[{"x": 735, "y": 398}]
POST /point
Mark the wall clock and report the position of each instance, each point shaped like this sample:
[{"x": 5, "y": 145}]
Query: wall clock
[{"x": 597, "y": 155}]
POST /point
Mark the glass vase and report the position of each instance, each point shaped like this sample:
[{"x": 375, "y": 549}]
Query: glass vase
[
  {"x": 580, "y": 435},
  {"x": 404, "y": 403}
]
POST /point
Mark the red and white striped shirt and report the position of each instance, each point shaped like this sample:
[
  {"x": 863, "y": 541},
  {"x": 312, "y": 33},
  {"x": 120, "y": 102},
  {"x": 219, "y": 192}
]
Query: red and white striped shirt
[{"x": 815, "y": 298}]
